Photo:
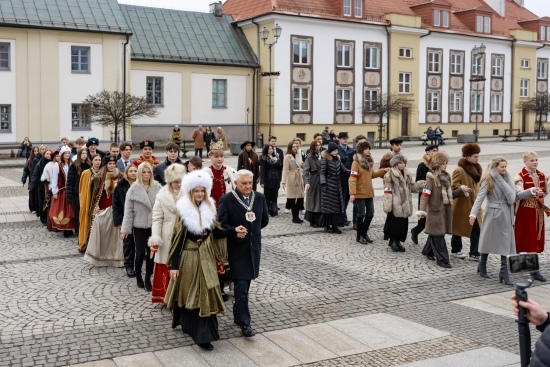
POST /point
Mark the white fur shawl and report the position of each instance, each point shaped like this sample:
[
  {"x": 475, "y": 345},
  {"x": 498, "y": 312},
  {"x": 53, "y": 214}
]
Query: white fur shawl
[{"x": 196, "y": 221}]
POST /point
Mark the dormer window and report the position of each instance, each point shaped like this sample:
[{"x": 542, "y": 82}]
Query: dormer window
[
  {"x": 347, "y": 8},
  {"x": 358, "y": 8},
  {"x": 483, "y": 24},
  {"x": 441, "y": 18},
  {"x": 544, "y": 33}
]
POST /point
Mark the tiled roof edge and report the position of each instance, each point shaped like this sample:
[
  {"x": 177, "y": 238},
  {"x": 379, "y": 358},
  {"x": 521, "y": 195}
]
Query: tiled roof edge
[
  {"x": 19, "y": 23},
  {"x": 193, "y": 60}
]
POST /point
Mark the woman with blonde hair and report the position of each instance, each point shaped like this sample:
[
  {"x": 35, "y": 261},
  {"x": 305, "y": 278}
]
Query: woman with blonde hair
[
  {"x": 138, "y": 220},
  {"x": 164, "y": 214},
  {"x": 497, "y": 231},
  {"x": 197, "y": 245}
]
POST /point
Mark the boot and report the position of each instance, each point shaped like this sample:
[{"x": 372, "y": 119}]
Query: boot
[
  {"x": 536, "y": 276},
  {"x": 149, "y": 266},
  {"x": 274, "y": 208},
  {"x": 366, "y": 225},
  {"x": 503, "y": 276},
  {"x": 394, "y": 246},
  {"x": 295, "y": 216},
  {"x": 336, "y": 230},
  {"x": 359, "y": 237},
  {"x": 482, "y": 266},
  {"x": 400, "y": 246},
  {"x": 414, "y": 236}
]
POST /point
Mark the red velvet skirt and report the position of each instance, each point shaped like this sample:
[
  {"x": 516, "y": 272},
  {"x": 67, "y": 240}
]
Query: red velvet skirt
[
  {"x": 161, "y": 278},
  {"x": 529, "y": 226},
  {"x": 61, "y": 212}
]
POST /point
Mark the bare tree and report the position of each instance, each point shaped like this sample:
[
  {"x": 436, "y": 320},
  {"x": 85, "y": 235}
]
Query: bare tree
[
  {"x": 115, "y": 109},
  {"x": 540, "y": 106},
  {"x": 385, "y": 105}
]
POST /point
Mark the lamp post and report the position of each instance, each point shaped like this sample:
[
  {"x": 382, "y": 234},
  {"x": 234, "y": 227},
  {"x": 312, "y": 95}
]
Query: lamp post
[
  {"x": 264, "y": 33},
  {"x": 478, "y": 53}
]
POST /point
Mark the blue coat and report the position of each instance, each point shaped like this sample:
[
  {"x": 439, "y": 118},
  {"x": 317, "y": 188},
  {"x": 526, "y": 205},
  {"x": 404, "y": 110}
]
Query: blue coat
[{"x": 243, "y": 253}]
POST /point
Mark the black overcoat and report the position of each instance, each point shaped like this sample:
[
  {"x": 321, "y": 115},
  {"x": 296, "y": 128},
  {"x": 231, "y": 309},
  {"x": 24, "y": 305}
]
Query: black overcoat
[
  {"x": 119, "y": 198},
  {"x": 73, "y": 182},
  {"x": 332, "y": 170},
  {"x": 270, "y": 173},
  {"x": 244, "y": 253}
]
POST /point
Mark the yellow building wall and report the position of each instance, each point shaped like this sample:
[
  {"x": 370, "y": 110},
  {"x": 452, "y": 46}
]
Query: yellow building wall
[{"x": 38, "y": 80}]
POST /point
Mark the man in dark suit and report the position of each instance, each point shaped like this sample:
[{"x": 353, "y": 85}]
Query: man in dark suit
[
  {"x": 346, "y": 157},
  {"x": 243, "y": 208}
]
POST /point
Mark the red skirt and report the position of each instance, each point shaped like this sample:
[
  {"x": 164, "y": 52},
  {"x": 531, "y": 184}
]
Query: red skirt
[
  {"x": 161, "y": 278},
  {"x": 61, "y": 212},
  {"x": 527, "y": 230}
]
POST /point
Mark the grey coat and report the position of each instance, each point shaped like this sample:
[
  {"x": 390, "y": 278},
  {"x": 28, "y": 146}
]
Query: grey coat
[
  {"x": 138, "y": 207},
  {"x": 312, "y": 176},
  {"x": 497, "y": 230}
]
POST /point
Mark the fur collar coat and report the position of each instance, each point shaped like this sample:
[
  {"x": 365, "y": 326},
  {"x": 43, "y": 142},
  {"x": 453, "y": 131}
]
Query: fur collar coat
[
  {"x": 398, "y": 188},
  {"x": 469, "y": 175},
  {"x": 164, "y": 215},
  {"x": 138, "y": 207}
]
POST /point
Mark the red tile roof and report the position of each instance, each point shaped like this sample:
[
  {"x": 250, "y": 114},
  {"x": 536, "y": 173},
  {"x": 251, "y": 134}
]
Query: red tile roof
[{"x": 376, "y": 10}]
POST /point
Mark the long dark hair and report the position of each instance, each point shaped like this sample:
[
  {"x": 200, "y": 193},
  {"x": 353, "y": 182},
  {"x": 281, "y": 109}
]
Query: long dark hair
[
  {"x": 78, "y": 162},
  {"x": 31, "y": 157},
  {"x": 265, "y": 150},
  {"x": 312, "y": 147}
]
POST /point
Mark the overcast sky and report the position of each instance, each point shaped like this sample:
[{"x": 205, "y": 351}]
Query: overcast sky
[{"x": 539, "y": 7}]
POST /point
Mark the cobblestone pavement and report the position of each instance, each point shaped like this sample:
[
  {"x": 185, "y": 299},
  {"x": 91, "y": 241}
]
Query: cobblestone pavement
[{"x": 56, "y": 309}]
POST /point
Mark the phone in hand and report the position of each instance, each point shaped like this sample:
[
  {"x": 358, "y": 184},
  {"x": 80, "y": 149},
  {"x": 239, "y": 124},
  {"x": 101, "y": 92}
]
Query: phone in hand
[{"x": 523, "y": 263}]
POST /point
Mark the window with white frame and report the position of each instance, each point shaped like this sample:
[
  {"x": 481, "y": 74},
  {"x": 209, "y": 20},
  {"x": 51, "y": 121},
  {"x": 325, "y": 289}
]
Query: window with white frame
[
  {"x": 476, "y": 102},
  {"x": 343, "y": 100},
  {"x": 371, "y": 99},
  {"x": 548, "y": 33},
  {"x": 405, "y": 83},
  {"x": 344, "y": 56},
  {"x": 445, "y": 19},
  {"x": 80, "y": 59},
  {"x": 301, "y": 99},
  {"x": 437, "y": 18},
  {"x": 524, "y": 88},
  {"x": 4, "y": 56},
  {"x": 219, "y": 93},
  {"x": 347, "y": 8},
  {"x": 434, "y": 61},
  {"x": 542, "y": 33},
  {"x": 154, "y": 90},
  {"x": 496, "y": 102},
  {"x": 496, "y": 68},
  {"x": 301, "y": 49},
  {"x": 405, "y": 52},
  {"x": 358, "y": 8},
  {"x": 542, "y": 69},
  {"x": 433, "y": 101},
  {"x": 477, "y": 65},
  {"x": 371, "y": 57},
  {"x": 525, "y": 63},
  {"x": 5, "y": 118},
  {"x": 455, "y": 100},
  {"x": 79, "y": 118},
  {"x": 457, "y": 62},
  {"x": 483, "y": 24}
]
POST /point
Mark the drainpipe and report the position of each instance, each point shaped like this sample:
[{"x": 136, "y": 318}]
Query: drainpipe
[
  {"x": 389, "y": 77},
  {"x": 256, "y": 89},
  {"x": 124, "y": 89},
  {"x": 513, "y": 42}
]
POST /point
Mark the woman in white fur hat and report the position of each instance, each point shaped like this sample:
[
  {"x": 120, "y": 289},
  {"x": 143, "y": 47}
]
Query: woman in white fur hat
[
  {"x": 198, "y": 252},
  {"x": 164, "y": 214}
]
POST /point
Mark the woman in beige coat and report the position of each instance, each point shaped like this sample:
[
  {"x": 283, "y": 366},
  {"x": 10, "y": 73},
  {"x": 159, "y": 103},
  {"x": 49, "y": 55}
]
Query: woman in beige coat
[
  {"x": 164, "y": 215},
  {"x": 292, "y": 180}
]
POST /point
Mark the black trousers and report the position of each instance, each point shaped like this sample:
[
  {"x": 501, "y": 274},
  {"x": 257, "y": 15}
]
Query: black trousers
[
  {"x": 129, "y": 250},
  {"x": 345, "y": 195},
  {"x": 141, "y": 235},
  {"x": 198, "y": 152},
  {"x": 271, "y": 199},
  {"x": 456, "y": 241},
  {"x": 420, "y": 225},
  {"x": 241, "y": 313}
]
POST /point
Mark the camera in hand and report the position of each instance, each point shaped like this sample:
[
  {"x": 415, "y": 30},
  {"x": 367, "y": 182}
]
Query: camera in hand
[{"x": 523, "y": 262}]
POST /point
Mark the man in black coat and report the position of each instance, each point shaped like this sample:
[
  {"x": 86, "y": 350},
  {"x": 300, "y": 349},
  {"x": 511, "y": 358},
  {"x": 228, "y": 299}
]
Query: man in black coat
[
  {"x": 421, "y": 172},
  {"x": 277, "y": 157},
  {"x": 128, "y": 244},
  {"x": 172, "y": 152},
  {"x": 243, "y": 208},
  {"x": 346, "y": 157}
]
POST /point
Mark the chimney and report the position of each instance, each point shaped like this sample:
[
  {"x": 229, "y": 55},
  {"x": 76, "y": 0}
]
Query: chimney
[
  {"x": 216, "y": 9},
  {"x": 499, "y": 6}
]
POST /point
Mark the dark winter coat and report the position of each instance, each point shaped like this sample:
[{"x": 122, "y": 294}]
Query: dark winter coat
[
  {"x": 209, "y": 138},
  {"x": 73, "y": 182},
  {"x": 25, "y": 150},
  {"x": 158, "y": 171},
  {"x": 36, "y": 171},
  {"x": 332, "y": 171},
  {"x": 312, "y": 176},
  {"x": 27, "y": 172},
  {"x": 346, "y": 157},
  {"x": 541, "y": 354},
  {"x": 270, "y": 173},
  {"x": 244, "y": 253},
  {"x": 119, "y": 197}
]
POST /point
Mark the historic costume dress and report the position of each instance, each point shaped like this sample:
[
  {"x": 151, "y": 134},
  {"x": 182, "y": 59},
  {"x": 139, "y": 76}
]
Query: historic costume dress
[
  {"x": 85, "y": 218},
  {"x": 104, "y": 245},
  {"x": 195, "y": 294},
  {"x": 222, "y": 181},
  {"x": 529, "y": 230},
  {"x": 61, "y": 211},
  {"x": 153, "y": 161}
]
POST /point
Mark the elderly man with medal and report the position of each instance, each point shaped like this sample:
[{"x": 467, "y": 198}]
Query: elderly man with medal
[{"x": 247, "y": 208}]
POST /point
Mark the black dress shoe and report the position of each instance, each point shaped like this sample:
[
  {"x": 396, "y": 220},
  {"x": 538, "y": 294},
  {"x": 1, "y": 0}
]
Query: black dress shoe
[
  {"x": 336, "y": 230},
  {"x": 361, "y": 240},
  {"x": 298, "y": 221},
  {"x": 414, "y": 237},
  {"x": 346, "y": 223},
  {"x": 225, "y": 297},
  {"x": 148, "y": 287},
  {"x": 431, "y": 258},
  {"x": 206, "y": 346},
  {"x": 400, "y": 247},
  {"x": 131, "y": 273},
  {"x": 444, "y": 265},
  {"x": 368, "y": 239},
  {"x": 247, "y": 331},
  {"x": 140, "y": 283}
]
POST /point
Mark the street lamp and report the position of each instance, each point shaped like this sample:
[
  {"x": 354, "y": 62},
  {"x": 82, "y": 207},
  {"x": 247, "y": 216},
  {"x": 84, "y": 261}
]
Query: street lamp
[
  {"x": 478, "y": 53},
  {"x": 264, "y": 33}
]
